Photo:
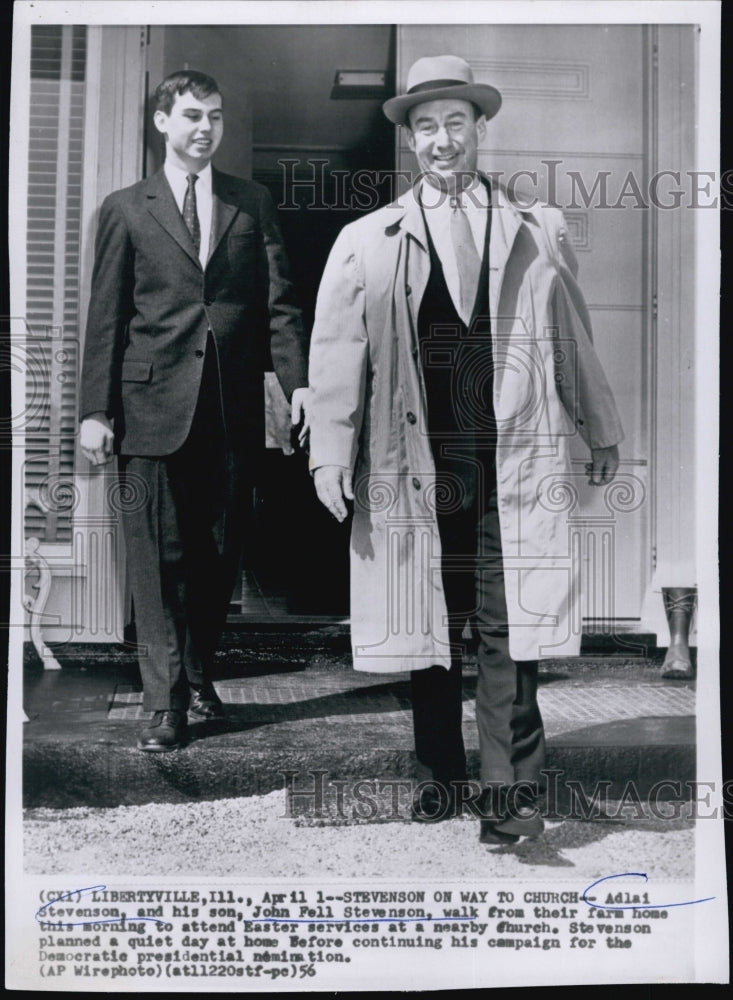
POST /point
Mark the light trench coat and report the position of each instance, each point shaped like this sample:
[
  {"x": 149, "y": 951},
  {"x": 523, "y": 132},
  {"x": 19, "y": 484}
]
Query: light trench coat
[{"x": 369, "y": 414}]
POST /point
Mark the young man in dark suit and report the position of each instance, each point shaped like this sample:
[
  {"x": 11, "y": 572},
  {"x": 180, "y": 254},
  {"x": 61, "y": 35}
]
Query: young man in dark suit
[{"x": 191, "y": 302}]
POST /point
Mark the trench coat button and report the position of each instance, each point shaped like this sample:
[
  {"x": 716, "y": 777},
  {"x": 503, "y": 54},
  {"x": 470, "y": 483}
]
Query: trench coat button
[
  {"x": 199, "y": 354},
  {"x": 408, "y": 290},
  {"x": 416, "y": 483},
  {"x": 411, "y": 418},
  {"x": 208, "y": 302}
]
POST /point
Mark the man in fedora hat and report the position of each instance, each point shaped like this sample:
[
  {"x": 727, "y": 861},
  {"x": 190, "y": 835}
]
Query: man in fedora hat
[
  {"x": 191, "y": 301},
  {"x": 451, "y": 365}
]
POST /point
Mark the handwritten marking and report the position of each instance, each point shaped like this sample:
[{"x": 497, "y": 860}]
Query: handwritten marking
[{"x": 636, "y": 906}]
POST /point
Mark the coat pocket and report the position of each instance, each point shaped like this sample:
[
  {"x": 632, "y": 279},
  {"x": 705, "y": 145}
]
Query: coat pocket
[{"x": 136, "y": 371}]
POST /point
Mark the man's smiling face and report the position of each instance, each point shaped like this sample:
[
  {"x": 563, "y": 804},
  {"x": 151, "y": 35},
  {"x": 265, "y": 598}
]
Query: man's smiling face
[
  {"x": 444, "y": 135},
  {"x": 193, "y": 130}
]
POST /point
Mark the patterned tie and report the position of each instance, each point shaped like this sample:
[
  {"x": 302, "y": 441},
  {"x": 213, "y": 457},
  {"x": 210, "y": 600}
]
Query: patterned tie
[
  {"x": 190, "y": 215},
  {"x": 467, "y": 259}
]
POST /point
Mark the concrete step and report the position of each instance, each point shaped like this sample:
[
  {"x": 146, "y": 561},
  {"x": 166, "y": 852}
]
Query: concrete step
[
  {"x": 292, "y": 645},
  {"x": 609, "y": 718}
]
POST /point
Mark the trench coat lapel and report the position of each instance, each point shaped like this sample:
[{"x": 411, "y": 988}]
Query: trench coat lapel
[
  {"x": 222, "y": 212},
  {"x": 506, "y": 219},
  {"x": 162, "y": 206}
]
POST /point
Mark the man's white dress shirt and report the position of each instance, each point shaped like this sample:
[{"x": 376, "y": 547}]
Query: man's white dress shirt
[
  {"x": 437, "y": 207},
  {"x": 178, "y": 180}
]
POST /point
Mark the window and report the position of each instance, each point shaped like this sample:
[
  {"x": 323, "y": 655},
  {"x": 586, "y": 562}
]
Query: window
[{"x": 58, "y": 60}]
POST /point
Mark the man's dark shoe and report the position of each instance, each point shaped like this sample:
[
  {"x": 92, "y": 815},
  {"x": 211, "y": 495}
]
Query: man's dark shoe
[
  {"x": 526, "y": 822},
  {"x": 523, "y": 816},
  {"x": 433, "y": 801},
  {"x": 493, "y": 810},
  {"x": 166, "y": 731},
  {"x": 488, "y": 834},
  {"x": 492, "y": 802},
  {"x": 205, "y": 704}
]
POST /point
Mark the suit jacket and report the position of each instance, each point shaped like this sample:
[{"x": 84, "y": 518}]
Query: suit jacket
[{"x": 152, "y": 307}]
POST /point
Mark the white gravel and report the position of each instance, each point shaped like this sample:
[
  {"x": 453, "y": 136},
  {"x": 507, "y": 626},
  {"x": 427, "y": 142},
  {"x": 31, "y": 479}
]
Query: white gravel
[{"x": 253, "y": 837}]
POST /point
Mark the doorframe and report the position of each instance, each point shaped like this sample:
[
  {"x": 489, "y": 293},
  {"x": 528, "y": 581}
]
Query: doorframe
[
  {"x": 113, "y": 144},
  {"x": 672, "y": 278}
]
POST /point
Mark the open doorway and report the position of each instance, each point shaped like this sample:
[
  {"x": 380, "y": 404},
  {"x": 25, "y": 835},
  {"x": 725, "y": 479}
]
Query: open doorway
[{"x": 290, "y": 128}]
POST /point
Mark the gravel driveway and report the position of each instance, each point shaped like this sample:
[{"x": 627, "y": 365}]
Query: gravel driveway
[{"x": 253, "y": 837}]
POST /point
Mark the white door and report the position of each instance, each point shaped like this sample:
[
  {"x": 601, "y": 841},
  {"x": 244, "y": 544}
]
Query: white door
[{"x": 573, "y": 116}]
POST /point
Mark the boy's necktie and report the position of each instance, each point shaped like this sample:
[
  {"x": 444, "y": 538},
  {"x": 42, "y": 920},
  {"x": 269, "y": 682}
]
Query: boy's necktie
[{"x": 190, "y": 215}]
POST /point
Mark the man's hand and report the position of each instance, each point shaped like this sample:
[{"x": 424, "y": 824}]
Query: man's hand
[
  {"x": 603, "y": 465},
  {"x": 299, "y": 408},
  {"x": 333, "y": 486},
  {"x": 97, "y": 438}
]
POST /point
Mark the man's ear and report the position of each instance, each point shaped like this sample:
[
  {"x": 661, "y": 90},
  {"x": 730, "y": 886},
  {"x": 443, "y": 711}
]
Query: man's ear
[
  {"x": 410, "y": 138},
  {"x": 481, "y": 127},
  {"x": 160, "y": 120}
]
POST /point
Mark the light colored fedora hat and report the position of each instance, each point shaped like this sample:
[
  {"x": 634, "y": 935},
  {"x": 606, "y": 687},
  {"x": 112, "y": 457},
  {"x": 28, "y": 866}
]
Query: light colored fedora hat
[{"x": 433, "y": 78}]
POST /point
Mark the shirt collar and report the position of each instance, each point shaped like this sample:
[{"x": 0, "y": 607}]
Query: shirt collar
[
  {"x": 475, "y": 196},
  {"x": 178, "y": 178}
]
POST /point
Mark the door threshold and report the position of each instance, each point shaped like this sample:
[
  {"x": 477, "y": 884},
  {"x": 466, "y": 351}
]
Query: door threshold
[{"x": 284, "y": 622}]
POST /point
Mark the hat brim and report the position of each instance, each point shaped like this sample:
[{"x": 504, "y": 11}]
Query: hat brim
[{"x": 484, "y": 96}]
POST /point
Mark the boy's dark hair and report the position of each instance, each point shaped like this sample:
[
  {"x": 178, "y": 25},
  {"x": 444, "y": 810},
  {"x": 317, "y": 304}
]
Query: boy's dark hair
[{"x": 181, "y": 82}]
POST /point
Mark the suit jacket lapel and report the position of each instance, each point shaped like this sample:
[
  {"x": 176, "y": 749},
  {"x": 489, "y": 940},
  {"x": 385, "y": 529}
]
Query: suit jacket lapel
[
  {"x": 162, "y": 206},
  {"x": 222, "y": 213}
]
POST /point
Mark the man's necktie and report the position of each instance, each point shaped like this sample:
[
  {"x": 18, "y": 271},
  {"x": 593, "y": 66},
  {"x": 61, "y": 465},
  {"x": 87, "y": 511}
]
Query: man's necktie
[
  {"x": 467, "y": 259},
  {"x": 190, "y": 215}
]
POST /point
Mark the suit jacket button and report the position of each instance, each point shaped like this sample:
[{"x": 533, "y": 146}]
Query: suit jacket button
[
  {"x": 411, "y": 418},
  {"x": 199, "y": 354},
  {"x": 416, "y": 483}
]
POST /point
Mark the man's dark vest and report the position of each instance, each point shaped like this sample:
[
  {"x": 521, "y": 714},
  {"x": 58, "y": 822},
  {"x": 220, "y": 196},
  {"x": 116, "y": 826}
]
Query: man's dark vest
[{"x": 457, "y": 366}]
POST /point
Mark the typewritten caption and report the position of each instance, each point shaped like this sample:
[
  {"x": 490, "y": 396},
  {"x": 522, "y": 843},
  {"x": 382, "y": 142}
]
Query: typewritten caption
[{"x": 100, "y": 933}]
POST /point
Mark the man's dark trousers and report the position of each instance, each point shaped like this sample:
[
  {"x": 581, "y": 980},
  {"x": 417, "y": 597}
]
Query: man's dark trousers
[
  {"x": 511, "y": 736},
  {"x": 184, "y": 542}
]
